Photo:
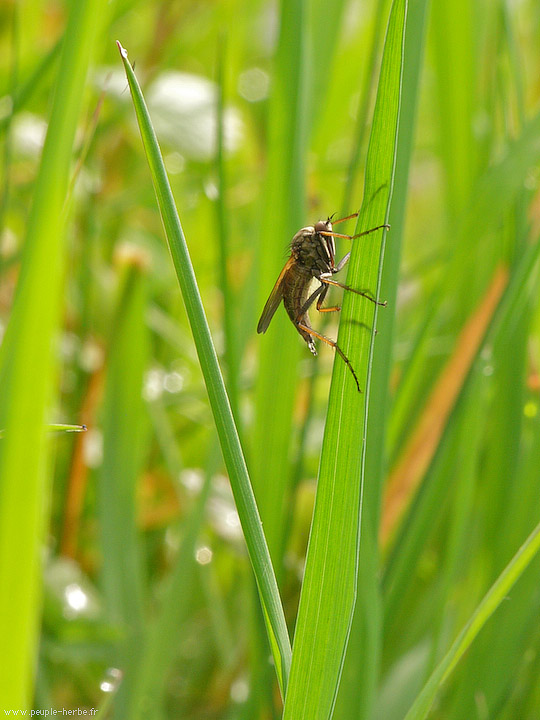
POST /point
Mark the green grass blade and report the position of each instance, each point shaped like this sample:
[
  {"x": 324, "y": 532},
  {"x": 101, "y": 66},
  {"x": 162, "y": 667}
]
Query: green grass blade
[
  {"x": 495, "y": 190},
  {"x": 510, "y": 575},
  {"x": 164, "y": 633},
  {"x": 282, "y": 215},
  {"x": 453, "y": 34},
  {"x": 510, "y": 172},
  {"x": 325, "y": 22},
  {"x": 362, "y": 124},
  {"x": 125, "y": 439},
  {"x": 230, "y": 443},
  {"x": 231, "y": 347},
  {"x": 382, "y": 354},
  {"x": 329, "y": 588},
  {"x": 27, "y": 369},
  {"x": 358, "y": 687},
  {"x": 25, "y": 90}
]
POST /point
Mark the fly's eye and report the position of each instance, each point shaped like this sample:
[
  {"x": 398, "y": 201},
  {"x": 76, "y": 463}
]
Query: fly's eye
[{"x": 321, "y": 226}]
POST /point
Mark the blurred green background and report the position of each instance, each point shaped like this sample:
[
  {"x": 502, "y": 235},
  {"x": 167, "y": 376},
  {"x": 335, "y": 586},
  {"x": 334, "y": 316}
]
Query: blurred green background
[{"x": 263, "y": 115}]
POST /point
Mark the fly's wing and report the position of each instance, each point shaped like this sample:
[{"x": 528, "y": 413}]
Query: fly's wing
[{"x": 275, "y": 298}]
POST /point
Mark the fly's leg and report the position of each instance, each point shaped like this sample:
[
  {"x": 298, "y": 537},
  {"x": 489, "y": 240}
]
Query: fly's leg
[
  {"x": 335, "y": 308},
  {"x": 322, "y": 296},
  {"x": 321, "y": 290},
  {"x": 334, "y": 345},
  {"x": 341, "y": 264},
  {"x": 329, "y": 233},
  {"x": 364, "y": 293},
  {"x": 354, "y": 215},
  {"x": 349, "y": 217},
  {"x": 319, "y": 294},
  {"x": 325, "y": 277}
]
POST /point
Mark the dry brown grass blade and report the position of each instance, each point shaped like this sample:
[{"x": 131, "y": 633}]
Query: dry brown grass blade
[{"x": 418, "y": 452}]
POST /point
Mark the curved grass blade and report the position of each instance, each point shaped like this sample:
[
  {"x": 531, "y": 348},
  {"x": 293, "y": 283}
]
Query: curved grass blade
[
  {"x": 329, "y": 588},
  {"x": 498, "y": 592},
  {"x": 228, "y": 435}
]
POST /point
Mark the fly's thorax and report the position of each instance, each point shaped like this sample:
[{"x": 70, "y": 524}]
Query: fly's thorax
[{"x": 314, "y": 252}]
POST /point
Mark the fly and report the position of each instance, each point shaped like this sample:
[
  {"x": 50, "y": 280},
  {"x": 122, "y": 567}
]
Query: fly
[{"x": 312, "y": 257}]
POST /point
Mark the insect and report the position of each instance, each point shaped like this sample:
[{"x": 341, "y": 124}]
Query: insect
[{"x": 312, "y": 258}]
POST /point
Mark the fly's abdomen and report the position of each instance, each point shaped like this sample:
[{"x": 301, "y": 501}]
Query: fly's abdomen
[{"x": 294, "y": 299}]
